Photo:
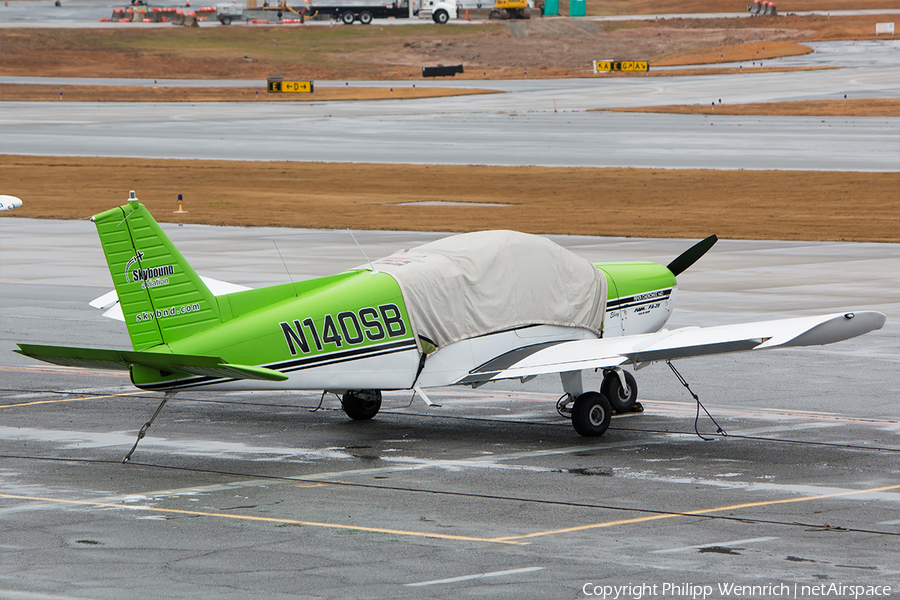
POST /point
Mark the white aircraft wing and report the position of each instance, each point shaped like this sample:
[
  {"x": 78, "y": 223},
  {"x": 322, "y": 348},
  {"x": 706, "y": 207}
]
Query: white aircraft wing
[
  {"x": 110, "y": 300},
  {"x": 674, "y": 344}
]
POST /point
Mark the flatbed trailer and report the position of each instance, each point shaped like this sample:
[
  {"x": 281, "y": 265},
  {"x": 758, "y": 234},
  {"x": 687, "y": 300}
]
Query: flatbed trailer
[
  {"x": 440, "y": 11},
  {"x": 364, "y": 13}
]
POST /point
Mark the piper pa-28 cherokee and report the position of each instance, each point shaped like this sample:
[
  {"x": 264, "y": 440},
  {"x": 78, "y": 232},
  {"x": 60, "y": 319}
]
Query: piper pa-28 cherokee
[{"x": 464, "y": 310}]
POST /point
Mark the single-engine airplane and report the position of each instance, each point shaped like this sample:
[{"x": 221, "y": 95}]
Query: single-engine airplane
[{"x": 464, "y": 310}]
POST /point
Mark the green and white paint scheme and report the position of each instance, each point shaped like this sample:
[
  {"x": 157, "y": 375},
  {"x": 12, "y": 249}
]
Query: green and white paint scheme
[{"x": 464, "y": 310}]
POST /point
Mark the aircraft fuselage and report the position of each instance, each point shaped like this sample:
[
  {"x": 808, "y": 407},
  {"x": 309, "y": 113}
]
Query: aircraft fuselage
[{"x": 353, "y": 331}]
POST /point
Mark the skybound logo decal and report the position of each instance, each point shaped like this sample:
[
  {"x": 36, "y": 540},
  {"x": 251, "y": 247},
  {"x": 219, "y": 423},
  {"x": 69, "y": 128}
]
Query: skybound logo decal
[{"x": 150, "y": 277}]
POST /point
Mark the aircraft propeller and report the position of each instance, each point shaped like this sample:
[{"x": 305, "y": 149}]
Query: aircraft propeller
[{"x": 691, "y": 255}]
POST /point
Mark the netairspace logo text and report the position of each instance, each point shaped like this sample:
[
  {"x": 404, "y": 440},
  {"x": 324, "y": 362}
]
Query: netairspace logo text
[{"x": 732, "y": 590}]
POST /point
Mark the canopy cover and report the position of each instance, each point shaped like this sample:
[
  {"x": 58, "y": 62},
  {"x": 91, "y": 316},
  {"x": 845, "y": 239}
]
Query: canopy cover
[{"x": 475, "y": 283}]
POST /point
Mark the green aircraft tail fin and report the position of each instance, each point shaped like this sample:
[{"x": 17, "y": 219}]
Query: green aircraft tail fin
[
  {"x": 166, "y": 364},
  {"x": 162, "y": 298}
]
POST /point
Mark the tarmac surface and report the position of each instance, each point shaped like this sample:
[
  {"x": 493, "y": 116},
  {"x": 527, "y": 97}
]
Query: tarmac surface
[
  {"x": 543, "y": 122},
  {"x": 492, "y": 495}
]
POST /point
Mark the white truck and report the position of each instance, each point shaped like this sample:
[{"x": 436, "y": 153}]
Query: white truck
[{"x": 346, "y": 11}]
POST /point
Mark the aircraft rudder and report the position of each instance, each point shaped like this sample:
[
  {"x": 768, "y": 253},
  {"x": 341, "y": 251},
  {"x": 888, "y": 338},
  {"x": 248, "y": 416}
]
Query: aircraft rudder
[{"x": 162, "y": 297}]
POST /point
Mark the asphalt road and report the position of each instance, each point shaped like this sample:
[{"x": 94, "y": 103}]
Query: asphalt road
[
  {"x": 543, "y": 122},
  {"x": 492, "y": 495}
]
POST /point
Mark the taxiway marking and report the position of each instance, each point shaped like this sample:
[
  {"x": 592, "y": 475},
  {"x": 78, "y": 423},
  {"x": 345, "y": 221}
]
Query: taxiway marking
[
  {"x": 689, "y": 513},
  {"x": 70, "y": 399},
  {"x": 476, "y": 576},
  {"x": 198, "y": 513},
  {"x": 67, "y": 371}
]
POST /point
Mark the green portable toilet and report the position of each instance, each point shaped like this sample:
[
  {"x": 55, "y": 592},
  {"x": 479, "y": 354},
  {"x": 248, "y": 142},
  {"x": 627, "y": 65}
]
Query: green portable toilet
[
  {"x": 551, "y": 8},
  {"x": 577, "y": 8}
]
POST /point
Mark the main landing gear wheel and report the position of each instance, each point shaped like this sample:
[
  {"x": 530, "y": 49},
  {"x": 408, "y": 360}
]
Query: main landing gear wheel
[
  {"x": 361, "y": 405},
  {"x": 611, "y": 387},
  {"x": 591, "y": 413}
]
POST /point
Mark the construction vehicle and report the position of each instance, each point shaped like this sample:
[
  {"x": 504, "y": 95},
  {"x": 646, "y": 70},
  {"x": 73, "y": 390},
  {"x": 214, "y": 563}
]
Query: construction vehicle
[{"x": 510, "y": 9}]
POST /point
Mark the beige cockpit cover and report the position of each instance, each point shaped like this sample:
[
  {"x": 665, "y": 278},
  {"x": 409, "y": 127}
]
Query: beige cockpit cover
[{"x": 471, "y": 284}]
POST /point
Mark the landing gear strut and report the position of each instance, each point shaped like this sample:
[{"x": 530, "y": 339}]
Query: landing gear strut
[{"x": 361, "y": 405}]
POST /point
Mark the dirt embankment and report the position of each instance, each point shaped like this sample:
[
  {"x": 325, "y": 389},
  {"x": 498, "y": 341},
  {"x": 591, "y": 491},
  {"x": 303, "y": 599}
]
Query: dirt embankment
[
  {"x": 539, "y": 47},
  {"x": 787, "y": 205}
]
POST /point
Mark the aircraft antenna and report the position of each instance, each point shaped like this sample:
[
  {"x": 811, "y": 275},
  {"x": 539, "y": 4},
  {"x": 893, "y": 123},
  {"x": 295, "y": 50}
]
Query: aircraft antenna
[
  {"x": 374, "y": 270},
  {"x": 286, "y": 269}
]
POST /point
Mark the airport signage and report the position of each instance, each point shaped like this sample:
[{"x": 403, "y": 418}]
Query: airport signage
[
  {"x": 601, "y": 66},
  {"x": 884, "y": 28},
  {"x": 302, "y": 87}
]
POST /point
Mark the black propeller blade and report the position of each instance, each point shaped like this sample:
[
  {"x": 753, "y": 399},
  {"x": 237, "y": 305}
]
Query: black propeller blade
[{"x": 691, "y": 255}]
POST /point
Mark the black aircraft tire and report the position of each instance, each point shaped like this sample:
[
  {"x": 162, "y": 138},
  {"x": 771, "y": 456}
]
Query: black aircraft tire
[
  {"x": 347, "y": 18},
  {"x": 612, "y": 389},
  {"x": 363, "y": 407},
  {"x": 365, "y": 17},
  {"x": 591, "y": 414}
]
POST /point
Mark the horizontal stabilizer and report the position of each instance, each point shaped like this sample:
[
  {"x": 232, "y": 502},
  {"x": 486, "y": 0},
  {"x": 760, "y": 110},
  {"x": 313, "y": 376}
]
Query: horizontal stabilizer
[
  {"x": 679, "y": 343},
  {"x": 110, "y": 300},
  {"x": 123, "y": 360}
]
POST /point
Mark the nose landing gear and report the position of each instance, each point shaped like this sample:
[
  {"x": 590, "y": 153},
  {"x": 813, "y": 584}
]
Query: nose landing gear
[{"x": 620, "y": 389}]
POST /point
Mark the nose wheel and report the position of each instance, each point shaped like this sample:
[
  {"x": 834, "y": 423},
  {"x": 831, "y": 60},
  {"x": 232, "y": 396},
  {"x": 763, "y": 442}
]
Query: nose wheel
[{"x": 621, "y": 397}]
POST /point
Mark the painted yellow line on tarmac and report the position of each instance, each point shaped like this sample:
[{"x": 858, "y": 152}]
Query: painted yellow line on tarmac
[
  {"x": 70, "y": 399},
  {"x": 68, "y": 371},
  {"x": 197, "y": 513},
  {"x": 688, "y": 513}
]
